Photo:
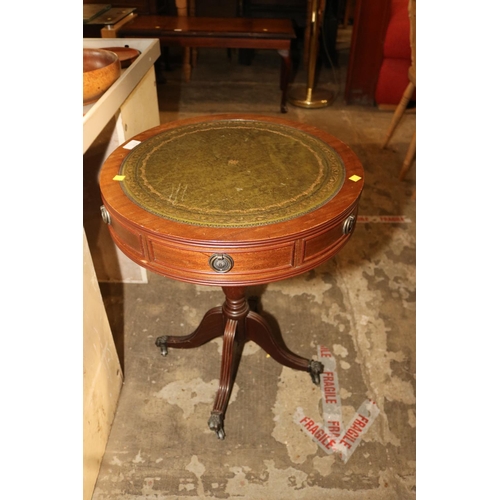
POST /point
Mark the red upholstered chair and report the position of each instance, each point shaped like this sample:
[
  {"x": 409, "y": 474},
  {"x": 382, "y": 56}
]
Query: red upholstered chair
[
  {"x": 407, "y": 94},
  {"x": 392, "y": 78}
]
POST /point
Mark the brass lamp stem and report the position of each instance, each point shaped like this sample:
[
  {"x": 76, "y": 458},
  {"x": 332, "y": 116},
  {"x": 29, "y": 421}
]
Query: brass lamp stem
[
  {"x": 310, "y": 98},
  {"x": 313, "y": 48}
]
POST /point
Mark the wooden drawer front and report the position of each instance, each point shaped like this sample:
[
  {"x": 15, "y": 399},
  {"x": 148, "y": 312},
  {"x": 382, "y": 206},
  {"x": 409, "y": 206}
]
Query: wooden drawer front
[
  {"x": 317, "y": 246},
  {"x": 265, "y": 260},
  {"x": 246, "y": 262},
  {"x": 176, "y": 258},
  {"x": 133, "y": 241}
]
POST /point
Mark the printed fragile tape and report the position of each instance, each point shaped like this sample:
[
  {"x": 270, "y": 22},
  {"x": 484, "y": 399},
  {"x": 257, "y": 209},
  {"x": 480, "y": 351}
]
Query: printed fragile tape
[{"x": 330, "y": 435}]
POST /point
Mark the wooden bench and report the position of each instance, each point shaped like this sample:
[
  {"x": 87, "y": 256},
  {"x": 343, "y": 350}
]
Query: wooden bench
[{"x": 232, "y": 33}]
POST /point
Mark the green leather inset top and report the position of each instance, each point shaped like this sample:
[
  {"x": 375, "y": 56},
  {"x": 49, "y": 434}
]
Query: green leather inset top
[{"x": 232, "y": 173}]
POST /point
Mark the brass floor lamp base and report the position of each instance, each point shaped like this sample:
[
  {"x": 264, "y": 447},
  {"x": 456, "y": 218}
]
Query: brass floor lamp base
[{"x": 310, "y": 98}]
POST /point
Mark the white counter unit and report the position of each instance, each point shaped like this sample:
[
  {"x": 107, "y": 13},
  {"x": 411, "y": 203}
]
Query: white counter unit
[
  {"x": 127, "y": 108},
  {"x": 97, "y": 115}
]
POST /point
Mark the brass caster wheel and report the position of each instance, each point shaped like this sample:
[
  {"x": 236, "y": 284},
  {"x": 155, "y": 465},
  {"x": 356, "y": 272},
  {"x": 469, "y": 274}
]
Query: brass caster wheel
[{"x": 161, "y": 342}]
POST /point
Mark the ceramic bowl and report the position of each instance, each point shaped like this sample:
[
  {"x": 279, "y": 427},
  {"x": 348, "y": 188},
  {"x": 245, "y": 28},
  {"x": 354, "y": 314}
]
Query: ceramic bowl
[{"x": 101, "y": 68}]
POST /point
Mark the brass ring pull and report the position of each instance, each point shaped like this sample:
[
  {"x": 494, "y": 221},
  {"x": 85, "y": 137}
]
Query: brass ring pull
[
  {"x": 348, "y": 224},
  {"x": 105, "y": 215},
  {"x": 221, "y": 262}
]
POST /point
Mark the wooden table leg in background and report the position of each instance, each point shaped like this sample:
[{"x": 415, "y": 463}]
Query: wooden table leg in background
[
  {"x": 183, "y": 10},
  {"x": 286, "y": 68}
]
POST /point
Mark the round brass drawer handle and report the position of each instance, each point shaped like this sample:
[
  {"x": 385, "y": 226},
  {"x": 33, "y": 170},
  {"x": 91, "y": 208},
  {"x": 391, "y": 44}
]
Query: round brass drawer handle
[
  {"x": 221, "y": 262},
  {"x": 348, "y": 224},
  {"x": 105, "y": 215}
]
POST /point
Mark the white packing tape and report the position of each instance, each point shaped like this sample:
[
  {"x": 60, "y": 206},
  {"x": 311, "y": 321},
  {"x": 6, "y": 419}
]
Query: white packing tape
[
  {"x": 316, "y": 431},
  {"x": 329, "y": 435},
  {"x": 330, "y": 390},
  {"x": 388, "y": 219},
  {"x": 359, "y": 425}
]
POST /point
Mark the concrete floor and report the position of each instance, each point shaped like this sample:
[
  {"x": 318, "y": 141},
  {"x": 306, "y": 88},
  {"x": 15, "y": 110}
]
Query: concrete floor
[{"x": 360, "y": 305}]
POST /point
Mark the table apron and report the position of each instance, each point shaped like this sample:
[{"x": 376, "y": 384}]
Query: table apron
[
  {"x": 254, "y": 263},
  {"x": 212, "y": 41}
]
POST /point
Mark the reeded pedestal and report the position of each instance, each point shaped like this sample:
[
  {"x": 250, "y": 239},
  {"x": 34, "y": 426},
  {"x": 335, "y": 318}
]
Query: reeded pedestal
[{"x": 232, "y": 201}]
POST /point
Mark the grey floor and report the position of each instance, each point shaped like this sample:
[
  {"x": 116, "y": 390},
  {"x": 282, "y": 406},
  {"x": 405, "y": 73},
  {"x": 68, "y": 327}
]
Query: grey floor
[{"x": 360, "y": 305}]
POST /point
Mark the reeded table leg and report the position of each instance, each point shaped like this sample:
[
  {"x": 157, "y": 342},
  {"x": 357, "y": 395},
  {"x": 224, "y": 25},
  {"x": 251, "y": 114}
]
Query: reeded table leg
[
  {"x": 211, "y": 327},
  {"x": 261, "y": 333},
  {"x": 235, "y": 310},
  {"x": 230, "y": 361},
  {"x": 237, "y": 324}
]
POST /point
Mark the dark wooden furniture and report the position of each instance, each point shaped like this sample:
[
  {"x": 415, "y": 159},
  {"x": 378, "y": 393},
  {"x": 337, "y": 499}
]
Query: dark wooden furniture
[
  {"x": 98, "y": 26},
  {"x": 141, "y": 6},
  {"x": 234, "y": 33},
  {"x": 232, "y": 201}
]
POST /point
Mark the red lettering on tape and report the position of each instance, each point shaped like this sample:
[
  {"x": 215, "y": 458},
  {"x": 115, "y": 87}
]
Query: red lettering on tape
[
  {"x": 329, "y": 390},
  {"x": 334, "y": 427},
  {"x": 309, "y": 424},
  {"x": 345, "y": 443},
  {"x": 331, "y": 444},
  {"x": 324, "y": 352},
  {"x": 358, "y": 425},
  {"x": 318, "y": 433},
  {"x": 382, "y": 218}
]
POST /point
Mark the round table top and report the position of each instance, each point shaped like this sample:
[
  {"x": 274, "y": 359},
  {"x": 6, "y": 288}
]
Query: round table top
[
  {"x": 273, "y": 193},
  {"x": 232, "y": 173}
]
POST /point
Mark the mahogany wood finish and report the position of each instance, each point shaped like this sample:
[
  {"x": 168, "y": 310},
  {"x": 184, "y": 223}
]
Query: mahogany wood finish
[
  {"x": 261, "y": 254},
  {"x": 188, "y": 30},
  {"x": 233, "y": 33}
]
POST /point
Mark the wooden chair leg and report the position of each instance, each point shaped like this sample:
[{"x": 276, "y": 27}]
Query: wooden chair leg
[
  {"x": 410, "y": 155},
  {"x": 182, "y": 11},
  {"x": 403, "y": 103}
]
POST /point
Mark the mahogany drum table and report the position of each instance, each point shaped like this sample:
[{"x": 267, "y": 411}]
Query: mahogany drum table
[{"x": 232, "y": 201}]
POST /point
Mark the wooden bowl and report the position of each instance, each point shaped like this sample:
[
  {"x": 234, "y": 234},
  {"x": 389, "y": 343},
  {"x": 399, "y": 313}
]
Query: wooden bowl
[
  {"x": 101, "y": 68},
  {"x": 126, "y": 54}
]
